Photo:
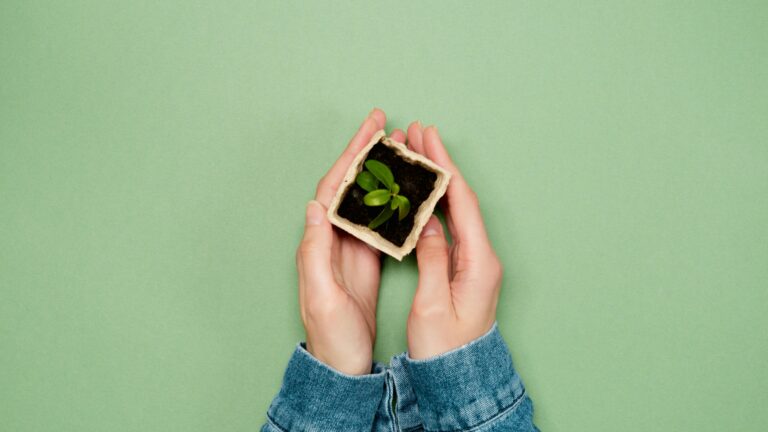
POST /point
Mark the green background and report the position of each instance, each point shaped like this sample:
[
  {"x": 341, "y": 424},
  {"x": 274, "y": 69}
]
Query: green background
[{"x": 156, "y": 158}]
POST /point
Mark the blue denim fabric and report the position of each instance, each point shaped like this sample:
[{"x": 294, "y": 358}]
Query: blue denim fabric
[{"x": 472, "y": 388}]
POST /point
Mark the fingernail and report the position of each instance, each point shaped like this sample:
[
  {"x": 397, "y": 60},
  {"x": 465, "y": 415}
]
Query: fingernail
[
  {"x": 431, "y": 228},
  {"x": 428, "y": 232},
  {"x": 372, "y": 111},
  {"x": 418, "y": 122},
  {"x": 315, "y": 213}
]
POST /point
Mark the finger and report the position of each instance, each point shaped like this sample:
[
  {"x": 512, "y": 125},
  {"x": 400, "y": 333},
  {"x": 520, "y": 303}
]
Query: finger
[
  {"x": 314, "y": 254},
  {"x": 415, "y": 132},
  {"x": 398, "y": 135},
  {"x": 461, "y": 206},
  {"x": 432, "y": 259},
  {"x": 378, "y": 115},
  {"x": 328, "y": 184}
]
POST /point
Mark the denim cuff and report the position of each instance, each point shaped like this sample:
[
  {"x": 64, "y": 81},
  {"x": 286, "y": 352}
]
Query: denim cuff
[
  {"x": 315, "y": 397},
  {"x": 468, "y": 386}
]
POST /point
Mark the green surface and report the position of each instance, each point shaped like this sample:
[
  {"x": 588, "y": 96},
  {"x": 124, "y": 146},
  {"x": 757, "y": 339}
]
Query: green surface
[{"x": 155, "y": 161}]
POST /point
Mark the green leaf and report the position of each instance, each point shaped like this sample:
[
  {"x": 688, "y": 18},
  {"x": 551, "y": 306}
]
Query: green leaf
[
  {"x": 405, "y": 207},
  {"x": 367, "y": 181},
  {"x": 381, "y": 172},
  {"x": 395, "y": 189},
  {"x": 381, "y": 218},
  {"x": 396, "y": 200},
  {"x": 379, "y": 197}
]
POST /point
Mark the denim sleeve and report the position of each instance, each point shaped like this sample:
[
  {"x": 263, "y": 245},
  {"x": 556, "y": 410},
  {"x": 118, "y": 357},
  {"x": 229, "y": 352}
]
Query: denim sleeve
[
  {"x": 472, "y": 388},
  {"x": 315, "y": 397}
]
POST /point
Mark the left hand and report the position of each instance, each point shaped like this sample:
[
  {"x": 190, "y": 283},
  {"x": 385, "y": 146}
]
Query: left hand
[{"x": 338, "y": 274}]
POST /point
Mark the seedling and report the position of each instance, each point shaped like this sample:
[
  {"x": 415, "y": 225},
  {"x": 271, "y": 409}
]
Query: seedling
[
  {"x": 390, "y": 197},
  {"x": 369, "y": 189}
]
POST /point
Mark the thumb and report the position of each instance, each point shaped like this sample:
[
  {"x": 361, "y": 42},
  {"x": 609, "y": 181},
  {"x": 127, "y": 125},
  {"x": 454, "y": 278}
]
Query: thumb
[
  {"x": 314, "y": 254},
  {"x": 432, "y": 257}
]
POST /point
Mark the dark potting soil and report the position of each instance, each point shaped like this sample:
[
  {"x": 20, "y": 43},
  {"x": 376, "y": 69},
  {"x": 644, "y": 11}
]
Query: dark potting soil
[{"x": 416, "y": 183}]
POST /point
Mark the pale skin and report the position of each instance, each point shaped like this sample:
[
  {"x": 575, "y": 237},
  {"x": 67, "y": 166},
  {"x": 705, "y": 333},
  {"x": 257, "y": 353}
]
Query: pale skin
[{"x": 458, "y": 287}]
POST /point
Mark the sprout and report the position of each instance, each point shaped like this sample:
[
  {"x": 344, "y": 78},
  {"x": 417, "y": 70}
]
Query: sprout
[{"x": 369, "y": 180}]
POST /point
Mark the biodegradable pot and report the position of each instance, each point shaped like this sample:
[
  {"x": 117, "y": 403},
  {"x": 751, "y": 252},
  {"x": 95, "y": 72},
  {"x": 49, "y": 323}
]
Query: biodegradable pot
[{"x": 422, "y": 181}]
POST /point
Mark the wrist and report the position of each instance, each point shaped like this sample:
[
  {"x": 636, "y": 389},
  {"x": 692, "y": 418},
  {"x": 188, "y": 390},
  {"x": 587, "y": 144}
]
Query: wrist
[
  {"x": 434, "y": 339},
  {"x": 354, "y": 362}
]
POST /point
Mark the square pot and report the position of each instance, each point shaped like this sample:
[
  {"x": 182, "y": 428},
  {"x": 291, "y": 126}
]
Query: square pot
[{"x": 422, "y": 181}]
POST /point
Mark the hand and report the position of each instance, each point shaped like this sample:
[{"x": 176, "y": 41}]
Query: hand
[
  {"x": 459, "y": 284},
  {"x": 338, "y": 274}
]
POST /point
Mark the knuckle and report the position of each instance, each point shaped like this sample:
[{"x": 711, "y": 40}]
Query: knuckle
[
  {"x": 320, "y": 309},
  {"x": 306, "y": 248},
  {"x": 433, "y": 254},
  {"x": 475, "y": 199},
  {"x": 323, "y": 185},
  {"x": 426, "y": 316},
  {"x": 301, "y": 250},
  {"x": 496, "y": 269},
  {"x": 427, "y": 311}
]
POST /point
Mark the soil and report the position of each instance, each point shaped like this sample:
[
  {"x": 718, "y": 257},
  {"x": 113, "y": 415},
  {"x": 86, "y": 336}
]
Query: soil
[{"x": 416, "y": 183}]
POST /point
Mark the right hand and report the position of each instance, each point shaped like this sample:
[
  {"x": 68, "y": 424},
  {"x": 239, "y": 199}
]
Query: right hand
[
  {"x": 339, "y": 274},
  {"x": 459, "y": 284}
]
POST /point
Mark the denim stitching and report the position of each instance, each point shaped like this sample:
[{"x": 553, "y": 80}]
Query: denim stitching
[
  {"x": 493, "y": 419},
  {"x": 274, "y": 425}
]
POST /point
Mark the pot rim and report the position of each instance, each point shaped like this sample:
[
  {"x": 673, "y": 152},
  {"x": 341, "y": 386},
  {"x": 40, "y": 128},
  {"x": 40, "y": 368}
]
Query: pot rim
[{"x": 422, "y": 215}]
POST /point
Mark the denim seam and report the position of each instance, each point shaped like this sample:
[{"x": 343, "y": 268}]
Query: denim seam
[
  {"x": 274, "y": 424},
  {"x": 452, "y": 351},
  {"x": 500, "y": 415},
  {"x": 321, "y": 365},
  {"x": 391, "y": 391}
]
